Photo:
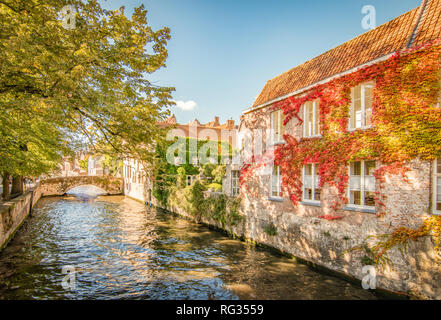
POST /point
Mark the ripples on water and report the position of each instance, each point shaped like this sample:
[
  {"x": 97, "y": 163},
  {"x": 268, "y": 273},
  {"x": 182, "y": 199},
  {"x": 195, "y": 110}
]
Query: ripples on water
[{"x": 122, "y": 250}]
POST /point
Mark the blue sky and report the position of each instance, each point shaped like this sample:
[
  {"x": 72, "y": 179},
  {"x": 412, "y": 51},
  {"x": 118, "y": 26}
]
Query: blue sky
[{"x": 222, "y": 52}]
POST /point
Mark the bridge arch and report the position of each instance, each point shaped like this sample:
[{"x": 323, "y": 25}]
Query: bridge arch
[
  {"x": 59, "y": 186},
  {"x": 87, "y": 188}
]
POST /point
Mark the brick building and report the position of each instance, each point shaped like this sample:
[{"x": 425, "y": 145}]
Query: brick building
[
  {"x": 137, "y": 182},
  {"x": 300, "y": 230}
]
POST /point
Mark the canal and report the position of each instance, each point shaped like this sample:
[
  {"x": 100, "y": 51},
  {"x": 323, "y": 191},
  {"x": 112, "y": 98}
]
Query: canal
[{"x": 120, "y": 249}]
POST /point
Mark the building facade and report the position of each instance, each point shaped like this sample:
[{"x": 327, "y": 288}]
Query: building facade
[
  {"x": 94, "y": 166},
  {"x": 320, "y": 222},
  {"x": 138, "y": 183}
]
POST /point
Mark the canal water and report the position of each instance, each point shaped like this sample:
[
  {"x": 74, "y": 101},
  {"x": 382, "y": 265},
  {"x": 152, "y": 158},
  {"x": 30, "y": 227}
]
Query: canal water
[{"x": 119, "y": 249}]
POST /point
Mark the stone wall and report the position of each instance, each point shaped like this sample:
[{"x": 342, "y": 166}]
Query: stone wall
[
  {"x": 14, "y": 212},
  {"x": 302, "y": 233}
]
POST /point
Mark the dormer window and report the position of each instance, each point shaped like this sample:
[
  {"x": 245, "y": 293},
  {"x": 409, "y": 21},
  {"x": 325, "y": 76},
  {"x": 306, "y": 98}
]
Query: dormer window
[{"x": 361, "y": 106}]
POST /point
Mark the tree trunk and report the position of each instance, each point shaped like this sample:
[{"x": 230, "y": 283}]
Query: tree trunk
[
  {"x": 17, "y": 185},
  {"x": 5, "y": 183}
]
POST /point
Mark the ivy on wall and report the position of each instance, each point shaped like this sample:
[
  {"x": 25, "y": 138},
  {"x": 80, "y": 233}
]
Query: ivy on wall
[{"x": 406, "y": 124}]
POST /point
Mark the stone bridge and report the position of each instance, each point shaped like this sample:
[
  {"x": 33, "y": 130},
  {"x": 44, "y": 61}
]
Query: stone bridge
[{"x": 59, "y": 186}]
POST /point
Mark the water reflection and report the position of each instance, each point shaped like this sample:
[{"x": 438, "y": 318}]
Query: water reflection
[
  {"x": 86, "y": 192},
  {"x": 122, "y": 250}
]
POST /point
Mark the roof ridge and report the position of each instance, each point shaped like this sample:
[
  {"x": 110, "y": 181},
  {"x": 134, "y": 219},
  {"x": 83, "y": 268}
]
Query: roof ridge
[
  {"x": 412, "y": 37},
  {"x": 412, "y": 28},
  {"x": 352, "y": 39}
]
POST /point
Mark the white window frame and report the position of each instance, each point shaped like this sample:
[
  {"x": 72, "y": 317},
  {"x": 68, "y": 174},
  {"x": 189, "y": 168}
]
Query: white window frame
[
  {"x": 315, "y": 106},
  {"x": 363, "y": 107},
  {"x": 235, "y": 188},
  {"x": 279, "y": 183},
  {"x": 362, "y": 188},
  {"x": 314, "y": 187},
  {"x": 277, "y": 138},
  {"x": 435, "y": 187},
  {"x": 438, "y": 105},
  {"x": 192, "y": 179}
]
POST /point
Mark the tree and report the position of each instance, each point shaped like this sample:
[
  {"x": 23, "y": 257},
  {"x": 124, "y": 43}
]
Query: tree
[
  {"x": 64, "y": 87},
  {"x": 111, "y": 166}
]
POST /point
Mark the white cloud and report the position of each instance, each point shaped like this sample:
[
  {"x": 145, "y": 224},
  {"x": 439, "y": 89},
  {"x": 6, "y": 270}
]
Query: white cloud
[{"x": 186, "y": 105}]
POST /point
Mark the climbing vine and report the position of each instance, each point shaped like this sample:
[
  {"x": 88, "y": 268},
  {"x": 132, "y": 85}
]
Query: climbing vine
[
  {"x": 378, "y": 252},
  {"x": 406, "y": 124}
]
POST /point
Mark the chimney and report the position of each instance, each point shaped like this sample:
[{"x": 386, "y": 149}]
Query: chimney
[
  {"x": 230, "y": 124},
  {"x": 216, "y": 121}
]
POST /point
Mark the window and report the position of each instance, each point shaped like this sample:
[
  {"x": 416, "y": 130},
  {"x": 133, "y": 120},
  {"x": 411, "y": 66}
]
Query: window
[
  {"x": 437, "y": 187},
  {"x": 235, "y": 182},
  {"x": 195, "y": 161},
  {"x": 190, "y": 180},
  {"x": 276, "y": 182},
  {"x": 277, "y": 127},
  {"x": 311, "y": 116},
  {"x": 311, "y": 191},
  {"x": 361, "y": 106},
  {"x": 362, "y": 184},
  {"x": 438, "y": 105}
]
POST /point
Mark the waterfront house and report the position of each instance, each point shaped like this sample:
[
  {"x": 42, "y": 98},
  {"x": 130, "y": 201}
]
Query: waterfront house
[
  {"x": 137, "y": 180},
  {"x": 347, "y": 132}
]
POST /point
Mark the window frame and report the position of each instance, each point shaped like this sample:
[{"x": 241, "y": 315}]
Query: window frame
[
  {"x": 314, "y": 187},
  {"x": 279, "y": 183},
  {"x": 363, "y": 205},
  {"x": 280, "y": 128},
  {"x": 363, "y": 106},
  {"x": 192, "y": 179},
  {"x": 435, "y": 176},
  {"x": 438, "y": 104},
  {"x": 235, "y": 187},
  {"x": 315, "y": 106}
]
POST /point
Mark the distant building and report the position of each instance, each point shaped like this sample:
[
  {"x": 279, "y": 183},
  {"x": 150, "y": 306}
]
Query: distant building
[
  {"x": 70, "y": 167},
  {"x": 213, "y": 130},
  {"x": 138, "y": 184},
  {"x": 94, "y": 166}
]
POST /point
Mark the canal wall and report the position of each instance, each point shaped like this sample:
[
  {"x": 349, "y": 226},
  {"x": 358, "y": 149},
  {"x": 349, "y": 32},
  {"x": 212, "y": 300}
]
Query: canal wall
[
  {"x": 14, "y": 212},
  {"x": 414, "y": 271}
]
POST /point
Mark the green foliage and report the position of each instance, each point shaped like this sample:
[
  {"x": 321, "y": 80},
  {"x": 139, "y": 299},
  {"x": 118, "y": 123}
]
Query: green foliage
[
  {"x": 215, "y": 186},
  {"x": 223, "y": 209},
  {"x": 168, "y": 175},
  {"x": 270, "y": 229},
  {"x": 207, "y": 170},
  {"x": 60, "y": 88},
  {"x": 111, "y": 165},
  {"x": 218, "y": 173},
  {"x": 197, "y": 198},
  {"x": 182, "y": 177},
  {"x": 367, "y": 261},
  {"x": 84, "y": 164}
]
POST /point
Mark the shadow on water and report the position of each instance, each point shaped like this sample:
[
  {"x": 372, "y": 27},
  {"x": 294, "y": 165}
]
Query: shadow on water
[{"x": 121, "y": 249}]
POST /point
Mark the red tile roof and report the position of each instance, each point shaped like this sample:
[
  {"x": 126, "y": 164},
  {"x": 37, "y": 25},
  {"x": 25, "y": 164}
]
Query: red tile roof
[
  {"x": 430, "y": 26},
  {"x": 379, "y": 42}
]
